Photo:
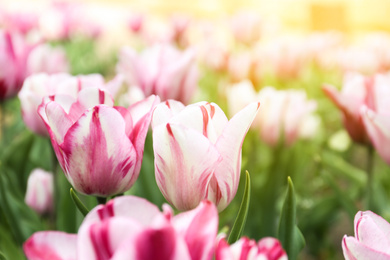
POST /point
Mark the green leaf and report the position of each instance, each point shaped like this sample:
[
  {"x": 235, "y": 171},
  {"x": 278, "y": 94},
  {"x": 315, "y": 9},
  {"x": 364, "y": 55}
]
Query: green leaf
[
  {"x": 240, "y": 221},
  {"x": 289, "y": 234},
  {"x": 82, "y": 208},
  {"x": 2, "y": 257}
]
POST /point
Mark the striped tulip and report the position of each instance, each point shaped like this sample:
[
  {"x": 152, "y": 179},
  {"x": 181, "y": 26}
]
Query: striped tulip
[
  {"x": 198, "y": 152},
  {"x": 39, "y": 193},
  {"x": 99, "y": 147},
  {"x": 267, "y": 248},
  {"x": 371, "y": 240},
  {"x": 132, "y": 228}
]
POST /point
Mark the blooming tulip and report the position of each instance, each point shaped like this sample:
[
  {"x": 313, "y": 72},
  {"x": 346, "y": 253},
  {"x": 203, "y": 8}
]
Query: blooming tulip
[
  {"x": 371, "y": 239},
  {"x": 198, "y": 152},
  {"x": 284, "y": 113},
  {"x": 45, "y": 58},
  {"x": 161, "y": 70},
  {"x": 37, "y": 86},
  {"x": 245, "y": 249},
  {"x": 39, "y": 194},
  {"x": 132, "y": 228},
  {"x": 357, "y": 92},
  {"x": 13, "y": 56},
  {"x": 99, "y": 147}
]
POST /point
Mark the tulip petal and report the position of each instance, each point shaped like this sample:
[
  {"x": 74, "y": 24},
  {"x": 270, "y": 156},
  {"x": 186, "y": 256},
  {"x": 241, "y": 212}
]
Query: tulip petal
[
  {"x": 199, "y": 228},
  {"x": 100, "y": 157},
  {"x": 184, "y": 162},
  {"x": 227, "y": 174},
  {"x": 51, "y": 245},
  {"x": 138, "y": 209},
  {"x": 165, "y": 111},
  {"x": 378, "y": 129},
  {"x": 353, "y": 250}
]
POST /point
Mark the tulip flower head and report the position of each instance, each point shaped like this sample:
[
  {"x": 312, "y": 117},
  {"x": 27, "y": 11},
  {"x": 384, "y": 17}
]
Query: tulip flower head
[
  {"x": 371, "y": 240},
  {"x": 198, "y": 152},
  {"x": 267, "y": 248},
  {"x": 39, "y": 194},
  {"x": 132, "y": 228},
  {"x": 99, "y": 147}
]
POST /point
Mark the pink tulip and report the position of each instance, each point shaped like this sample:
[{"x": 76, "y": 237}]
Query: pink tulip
[
  {"x": 283, "y": 115},
  {"x": 21, "y": 22},
  {"x": 13, "y": 56},
  {"x": 99, "y": 147},
  {"x": 359, "y": 91},
  {"x": 132, "y": 228},
  {"x": 245, "y": 249},
  {"x": 371, "y": 239},
  {"x": 246, "y": 26},
  {"x": 45, "y": 58},
  {"x": 198, "y": 152},
  {"x": 39, "y": 194},
  {"x": 37, "y": 86},
  {"x": 161, "y": 70}
]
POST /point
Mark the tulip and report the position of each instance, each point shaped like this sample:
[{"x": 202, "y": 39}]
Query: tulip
[
  {"x": 371, "y": 239},
  {"x": 161, "y": 70},
  {"x": 39, "y": 194},
  {"x": 45, "y": 58},
  {"x": 245, "y": 249},
  {"x": 13, "y": 56},
  {"x": 37, "y": 86},
  {"x": 99, "y": 147},
  {"x": 132, "y": 228},
  {"x": 197, "y": 152},
  {"x": 246, "y": 26},
  {"x": 284, "y": 114},
  {"x": 357, "y": 92},
  {"x": 378, "y": 129}
]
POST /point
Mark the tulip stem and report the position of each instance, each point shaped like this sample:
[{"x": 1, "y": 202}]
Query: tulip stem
[
  {"x": 101, "y": 200},
  {"x": 370, "y": 177},
  {"x": 2, "y": 122}
]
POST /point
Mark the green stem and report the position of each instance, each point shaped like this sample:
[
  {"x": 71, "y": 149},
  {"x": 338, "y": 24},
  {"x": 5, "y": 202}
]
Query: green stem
[
  {"x": 101, "y": 200},
  {"x": 2, "y": 123},
  {"x": 370, "y": 178}
]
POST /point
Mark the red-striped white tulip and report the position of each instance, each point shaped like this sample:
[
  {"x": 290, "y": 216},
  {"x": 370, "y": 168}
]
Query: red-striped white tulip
[
  {"x": 132, "y": 228},
  {"x": 37, "y": 86},
  {"x": 359, "y": 91},
  {"x": 198, "y": 152},
  {"x": 39, "y": 193},
  {"x": 161, "y": 70},
  {"x": 371, "y": 240},
  {"x": 245, "y": 249},
  {"x": 99, "y": 147}
]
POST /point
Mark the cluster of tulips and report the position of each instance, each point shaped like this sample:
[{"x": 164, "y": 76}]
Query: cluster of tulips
[{"x": 147, "y": 128}]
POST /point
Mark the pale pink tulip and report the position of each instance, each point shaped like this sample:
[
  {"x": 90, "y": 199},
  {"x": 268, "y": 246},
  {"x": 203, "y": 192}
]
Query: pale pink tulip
[
  {"x": 371, "y": 239},
  {"x": 13, "y": 57},
  {"x": 132, "y": 228},
  {"x": 283, "y": 114},
  {"x": 39, "y": 194},
  {"x": 21, "y": 22},
  {"x": 161, "y": 70},
  {"x": 37, "y": 86},
  {"x": 45, "y": 58},
  {"x": 246, "y": 26},
  {"x": 359, "y": 91},
  {"x": 99, "y": 147},
  {"x": 245, "y": 249},
  {"x": 198, "y": 152}
]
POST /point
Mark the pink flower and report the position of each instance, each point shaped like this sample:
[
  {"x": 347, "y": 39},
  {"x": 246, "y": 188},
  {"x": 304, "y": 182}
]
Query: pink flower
[
  {"x": 132, "y": 228},
  {"x": 39, "y": 194},
  {"x": 359, "y": 91},
  {"x": 161, "y": 70},
  {"x": 37, "y": 86},
  {"x": 198, "y": 152},
  {"x": 371, "y": 239},
  {"x": 21, "y": 22},
  {"x": 246, "y": 26},
  {"x": 284, "y": 113},
  {"x": 13, "y": 57},
  {"x": 245, "y": 249},
  {"x": 45, "y": 58},
  {"x": 99, "y": 147}
]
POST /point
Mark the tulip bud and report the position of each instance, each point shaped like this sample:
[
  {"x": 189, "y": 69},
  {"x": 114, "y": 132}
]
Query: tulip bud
[
  {"x": 39, "y": 194},
  {"x": 198, "y": 152}
]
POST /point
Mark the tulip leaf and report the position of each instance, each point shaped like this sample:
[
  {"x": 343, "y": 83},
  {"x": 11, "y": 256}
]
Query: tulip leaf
[
  {"x": 2, "y": 257},
  {"x": 79, "y": 204},
  {"x": 240, "y": 221},
  {"x": 289, "y": 235}
]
